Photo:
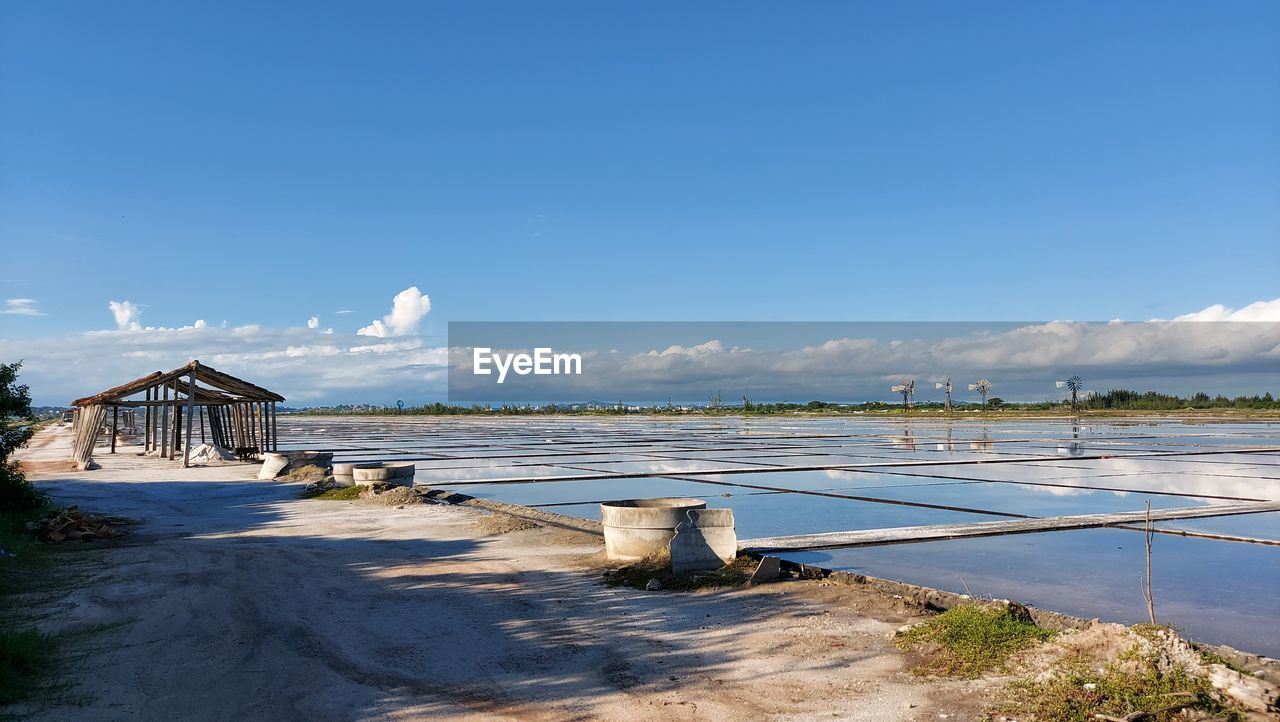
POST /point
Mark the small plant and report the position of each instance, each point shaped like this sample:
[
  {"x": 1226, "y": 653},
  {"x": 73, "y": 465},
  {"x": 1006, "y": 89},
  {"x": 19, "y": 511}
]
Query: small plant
[{"x": 969, "y": 640}]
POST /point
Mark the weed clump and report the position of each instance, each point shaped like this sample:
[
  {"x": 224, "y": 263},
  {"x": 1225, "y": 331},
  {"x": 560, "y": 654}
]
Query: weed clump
[
  {"x": 969, "y": 640},
  {"x": 306, "y": 472},
  {"x": 1132, "y": 687},
  {"x": 337, "y": 493}
]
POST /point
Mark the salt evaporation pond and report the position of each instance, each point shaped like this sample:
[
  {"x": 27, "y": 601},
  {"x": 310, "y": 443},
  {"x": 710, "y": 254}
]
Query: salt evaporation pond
[{"x": 1216, "y": 578}]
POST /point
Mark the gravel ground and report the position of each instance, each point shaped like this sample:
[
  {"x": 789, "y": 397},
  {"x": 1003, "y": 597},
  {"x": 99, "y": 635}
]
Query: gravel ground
[{"x": 235, "y": 599}]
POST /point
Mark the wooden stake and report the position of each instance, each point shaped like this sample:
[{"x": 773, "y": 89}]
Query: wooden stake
[
  {"x": 115, "y": 426},
  {"x": 1149, "y": 532}
]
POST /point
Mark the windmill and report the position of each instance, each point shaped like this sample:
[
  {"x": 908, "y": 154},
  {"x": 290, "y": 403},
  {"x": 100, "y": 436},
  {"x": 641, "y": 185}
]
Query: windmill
[
  {"x": 983, "y": 387},
  {"x": 947, "y": 386},
  {"x": 1075, "y": 383},
  {"x": 907, "y": 389}
]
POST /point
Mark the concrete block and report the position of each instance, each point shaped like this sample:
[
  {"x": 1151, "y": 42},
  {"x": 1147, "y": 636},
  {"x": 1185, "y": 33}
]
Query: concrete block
[
  {"x": 273, "y": 464},
  {"x": 698, "y": 549},
  {"x": 767, "y": 571}
]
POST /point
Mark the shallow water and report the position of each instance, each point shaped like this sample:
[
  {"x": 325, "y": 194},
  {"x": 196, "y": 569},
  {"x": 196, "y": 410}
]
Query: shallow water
[{"x": 794, "y": 476}]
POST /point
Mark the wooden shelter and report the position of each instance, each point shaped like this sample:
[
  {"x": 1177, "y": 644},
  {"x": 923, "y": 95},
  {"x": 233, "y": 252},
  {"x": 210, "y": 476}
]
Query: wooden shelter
[{"x": 238, "y": 415}]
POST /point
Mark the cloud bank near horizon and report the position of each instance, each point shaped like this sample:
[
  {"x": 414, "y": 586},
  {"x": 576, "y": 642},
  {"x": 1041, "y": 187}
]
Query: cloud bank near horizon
[{"x": 1215, "y": 349}]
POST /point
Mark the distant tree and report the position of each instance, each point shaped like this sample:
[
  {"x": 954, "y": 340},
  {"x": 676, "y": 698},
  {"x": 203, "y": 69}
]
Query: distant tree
[
  {"x": 995, "y": 402},
  {"x": 16, "y": 493}
]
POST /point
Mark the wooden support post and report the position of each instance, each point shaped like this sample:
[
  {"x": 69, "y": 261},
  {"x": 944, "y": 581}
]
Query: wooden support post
[
  {"x": 177, "y": 426},
  {"x": 262, "y": 422},
  {"x": 146, "y": 424},
  {"x": 275, "y": 436},
  {"x": 191, "y": 412},
  {"x": 154, "y": 417},
  {"x": 164, "y": 420},
  {"x": 115, "y": 426},
  {"x": 203, "y": 410},
  {"x": 253, "y": 425}
]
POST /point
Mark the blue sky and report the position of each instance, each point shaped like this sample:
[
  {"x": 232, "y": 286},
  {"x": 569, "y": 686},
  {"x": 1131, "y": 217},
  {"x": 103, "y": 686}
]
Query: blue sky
[{"x": 593, "y": 161}]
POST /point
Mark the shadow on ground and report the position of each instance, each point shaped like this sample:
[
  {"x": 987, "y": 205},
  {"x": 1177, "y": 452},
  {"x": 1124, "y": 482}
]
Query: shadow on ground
[{"x": 235, "y": 599}]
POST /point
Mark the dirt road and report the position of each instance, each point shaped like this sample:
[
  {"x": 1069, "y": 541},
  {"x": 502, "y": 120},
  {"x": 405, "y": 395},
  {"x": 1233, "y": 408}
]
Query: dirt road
[{"x": 235, "y": 599}]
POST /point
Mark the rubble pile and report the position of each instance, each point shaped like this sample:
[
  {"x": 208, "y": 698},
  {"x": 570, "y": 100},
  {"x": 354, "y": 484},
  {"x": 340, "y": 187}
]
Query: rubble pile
[{"x": 71, "y": 524}]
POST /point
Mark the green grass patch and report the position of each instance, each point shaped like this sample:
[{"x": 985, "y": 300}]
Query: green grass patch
[
  {"x": 341, "y": 493},
  {"x": 658, "y": 566},
  {"x": 969, "y": 640},
  {"x": 26, "y": 655},
  {"x": 1134, "y": 688}
]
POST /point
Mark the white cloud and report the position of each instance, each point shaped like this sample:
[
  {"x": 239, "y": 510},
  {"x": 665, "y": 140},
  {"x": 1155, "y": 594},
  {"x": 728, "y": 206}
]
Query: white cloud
[
  {"x": 292, "y": 361},
  {"x": 126, "y": 314},
  {"x": 313, "y": 322},
  {"x": 1023, "y": 361},
  {"x": 407, "y": 309},
  {"x": 311, "y": 367},
  {"x": 21, "y": 307},
  {"x": 1259, "y": 311}
]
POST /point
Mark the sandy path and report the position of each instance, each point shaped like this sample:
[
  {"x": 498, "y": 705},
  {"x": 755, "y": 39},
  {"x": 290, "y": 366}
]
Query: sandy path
[{"x": 237, "y": 600}]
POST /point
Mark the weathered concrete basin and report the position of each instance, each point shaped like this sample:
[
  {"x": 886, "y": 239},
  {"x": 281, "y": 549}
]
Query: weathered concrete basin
[
  {"x": 396, "y": 474},
  {"x": 636, "y": 528},
  {"x": 342, "y": 474}
]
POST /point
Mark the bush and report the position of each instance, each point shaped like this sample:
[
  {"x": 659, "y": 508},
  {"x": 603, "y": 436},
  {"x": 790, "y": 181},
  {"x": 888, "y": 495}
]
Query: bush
[{"x": 16, "y": 493}]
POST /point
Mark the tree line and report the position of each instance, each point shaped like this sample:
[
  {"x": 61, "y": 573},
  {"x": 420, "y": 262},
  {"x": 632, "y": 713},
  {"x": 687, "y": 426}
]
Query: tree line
[{"x": 1113, "y": 400}]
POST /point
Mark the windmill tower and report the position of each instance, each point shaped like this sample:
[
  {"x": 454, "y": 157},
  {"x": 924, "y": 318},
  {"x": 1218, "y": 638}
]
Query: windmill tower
[
  {"x": 907, "y": 389},
  {"x": 983, "y": 387},
  {"x": 947, "y": 386},
  {"x": 1075, "y": 383}
]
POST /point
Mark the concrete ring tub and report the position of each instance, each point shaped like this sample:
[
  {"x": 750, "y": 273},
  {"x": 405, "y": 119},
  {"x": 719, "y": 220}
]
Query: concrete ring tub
[
  {"x": 342, "y": 474},
  {"x": 636, "y": 528},
  {"x": 396, "y": 474}
]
